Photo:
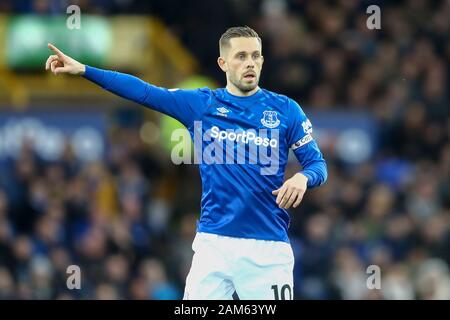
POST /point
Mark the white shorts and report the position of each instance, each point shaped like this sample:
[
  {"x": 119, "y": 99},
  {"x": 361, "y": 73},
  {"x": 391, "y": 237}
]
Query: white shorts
[{"x": 255, "y": 269}]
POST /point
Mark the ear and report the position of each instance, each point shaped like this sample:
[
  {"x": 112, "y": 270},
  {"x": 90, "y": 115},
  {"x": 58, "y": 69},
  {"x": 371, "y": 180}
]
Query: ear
[{"x": 222, "y": 64}]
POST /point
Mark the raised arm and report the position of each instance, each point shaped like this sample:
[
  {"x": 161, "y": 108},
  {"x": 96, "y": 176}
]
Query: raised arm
[{"x": 184, "y": 105}]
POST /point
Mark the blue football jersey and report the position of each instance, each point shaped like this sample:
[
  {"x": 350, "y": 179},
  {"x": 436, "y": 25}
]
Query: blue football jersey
[{"x": 241, "y": 146}]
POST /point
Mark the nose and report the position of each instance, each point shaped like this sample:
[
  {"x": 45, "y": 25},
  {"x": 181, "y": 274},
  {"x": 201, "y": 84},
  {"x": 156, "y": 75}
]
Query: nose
[{"x": 250, "y": 63}]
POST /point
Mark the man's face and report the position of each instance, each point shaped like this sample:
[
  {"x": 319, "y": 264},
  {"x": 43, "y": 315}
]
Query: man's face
[{"x": 242, "y": 62}]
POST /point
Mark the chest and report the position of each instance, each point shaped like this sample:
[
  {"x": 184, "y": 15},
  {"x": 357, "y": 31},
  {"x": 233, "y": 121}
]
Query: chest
[{"x": 260, "y": 116}]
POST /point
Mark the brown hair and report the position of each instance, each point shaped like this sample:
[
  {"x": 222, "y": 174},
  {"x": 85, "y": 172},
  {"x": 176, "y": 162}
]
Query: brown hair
[{"x": 237, "y": 32}]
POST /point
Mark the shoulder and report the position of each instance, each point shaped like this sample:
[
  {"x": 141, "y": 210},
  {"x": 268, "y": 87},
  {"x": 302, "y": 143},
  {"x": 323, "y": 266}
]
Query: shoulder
[
  {"x": 198, "y": 91},
  {"x": 283, "y": 101},
  {"x": 276, "y": 97},
  {"x": 219, "y": 92},
  {"x": 198, "y": 94},
  {"x": 205, "y": 90},
  {"x": 202, "y": 92}
]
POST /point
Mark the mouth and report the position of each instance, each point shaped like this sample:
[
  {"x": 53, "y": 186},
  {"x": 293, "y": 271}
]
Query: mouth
[{"x": 249, "y": 76}]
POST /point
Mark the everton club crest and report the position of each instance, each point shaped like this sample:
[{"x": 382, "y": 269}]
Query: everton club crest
[{"x": 270, "y": 119}]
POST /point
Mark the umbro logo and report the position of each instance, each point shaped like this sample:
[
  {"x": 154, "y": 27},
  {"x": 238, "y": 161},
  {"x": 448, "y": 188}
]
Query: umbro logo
[{"x": 222, "y": 111}]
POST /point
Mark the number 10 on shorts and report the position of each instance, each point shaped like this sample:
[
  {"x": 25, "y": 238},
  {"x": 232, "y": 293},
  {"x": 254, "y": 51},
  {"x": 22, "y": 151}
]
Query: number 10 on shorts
[{"x": 283, "y": 293}]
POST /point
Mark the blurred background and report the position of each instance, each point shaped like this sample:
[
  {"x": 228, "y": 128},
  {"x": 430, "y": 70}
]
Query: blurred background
[{"x": 86, "y": 178}]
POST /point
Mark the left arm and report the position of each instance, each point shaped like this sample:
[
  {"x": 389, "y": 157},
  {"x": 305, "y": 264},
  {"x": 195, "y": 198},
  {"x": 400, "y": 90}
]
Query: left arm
[
  {"x": 313, "y": 164},
  {"x": 314, "y": 172}
]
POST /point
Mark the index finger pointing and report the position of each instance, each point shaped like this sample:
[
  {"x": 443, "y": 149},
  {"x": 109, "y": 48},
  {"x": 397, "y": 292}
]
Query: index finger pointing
[{"x": 56, "y": 50}]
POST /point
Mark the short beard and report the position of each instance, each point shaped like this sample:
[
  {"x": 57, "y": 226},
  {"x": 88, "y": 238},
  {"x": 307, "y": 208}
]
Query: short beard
[{"x": 244, "y": 87}]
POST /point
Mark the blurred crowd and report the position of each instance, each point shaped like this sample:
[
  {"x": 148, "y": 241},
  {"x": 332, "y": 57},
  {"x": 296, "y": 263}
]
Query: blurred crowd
[{"x": 129, "y": 221}]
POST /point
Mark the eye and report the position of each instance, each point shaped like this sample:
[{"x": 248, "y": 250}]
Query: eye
[
  {"x": 241, "y": 56},
  {"x": 256, "y": 55}
]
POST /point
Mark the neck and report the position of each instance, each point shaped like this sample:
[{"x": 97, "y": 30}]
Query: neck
[{"x": 237, "y": 92}]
